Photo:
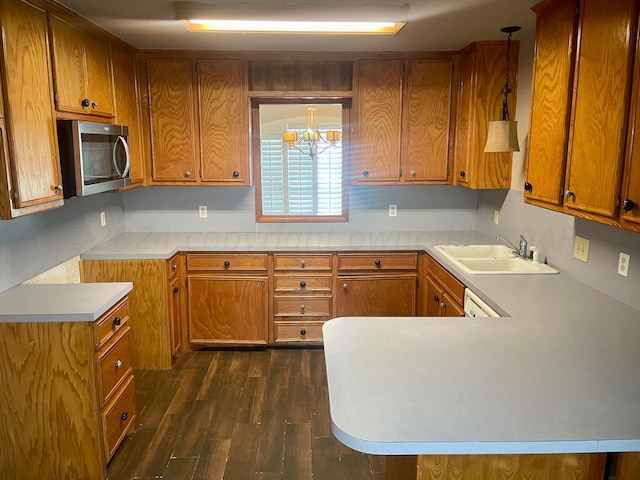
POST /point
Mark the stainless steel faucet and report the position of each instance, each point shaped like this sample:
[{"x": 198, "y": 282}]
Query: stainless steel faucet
[{"x": 522, "y": 250}]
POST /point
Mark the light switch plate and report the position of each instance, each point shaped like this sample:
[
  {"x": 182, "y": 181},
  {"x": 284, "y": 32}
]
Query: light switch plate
[
  {"x": 623, "y": 264},
  {"x": 103, "y": 219},
  {"x": 393, "y": 210},
  {"x": 496, "y": 216},
  {"x": 581, "y": 248},
  {"x": 202, "y": 211}
]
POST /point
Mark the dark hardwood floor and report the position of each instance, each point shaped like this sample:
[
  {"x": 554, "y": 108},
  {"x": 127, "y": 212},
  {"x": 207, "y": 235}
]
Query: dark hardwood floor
[{"x": 238, "y": 415}]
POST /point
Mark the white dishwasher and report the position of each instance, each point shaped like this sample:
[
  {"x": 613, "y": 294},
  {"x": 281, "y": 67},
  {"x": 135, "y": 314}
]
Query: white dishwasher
[{"x": 474, "y": 306}]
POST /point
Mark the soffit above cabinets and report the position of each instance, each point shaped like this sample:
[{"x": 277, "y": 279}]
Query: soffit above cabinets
[{"x": 432, "y": 25}]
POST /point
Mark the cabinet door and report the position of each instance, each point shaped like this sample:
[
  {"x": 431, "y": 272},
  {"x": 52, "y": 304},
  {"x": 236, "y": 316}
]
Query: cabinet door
[
  {"x": 174, "y": 316},
  {"x": 31, "y": 128},
  {"x": 376, "y": 151},
  {"x": 98, "y": 72},
  {"x": 228, "y": 309},
  {"x": 434, "y": 298},
  {"x": 376, "y": 296},
  {"x": 69, "y": 67},
  {"x": 126, "y": 109},
  {"x": 224, "y": 126},
  {"x": 173, "y": 155},
  {"x": 600, "y": 105},
  {"x": 464, "y": 124},
  {"x": 551, "y": 102},
  {"x": 450, "y": 308},
  {"x": 425, "y": 131}
]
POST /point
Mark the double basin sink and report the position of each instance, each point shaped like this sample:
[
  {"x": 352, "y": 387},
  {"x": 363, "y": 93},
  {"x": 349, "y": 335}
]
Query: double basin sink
[{"x": 492, "y": 260}]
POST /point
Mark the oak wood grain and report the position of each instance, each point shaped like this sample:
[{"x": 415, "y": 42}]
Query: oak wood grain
[
  {"x": 223, "y": 109},
  {"x": 377, "y": 144},
  {"x": 69, "y": 66},
  {"x": 49, "y": 417},
  {"x": 172, "y": 121},
  {"x": 556, "y": 26},
  {"x": 237, "y": 262},
  {"x": 28, "y": 94},
  {"x": 98, "y": 73},
  {"x": 425, "y": 156},
  {"x": 309, "y": 261},
  {"x": 600, "y": 103},
  {"x": 628, "y": 466},
  {"x": 376, "y": 261},
  {"x": 376, "y": 296}
]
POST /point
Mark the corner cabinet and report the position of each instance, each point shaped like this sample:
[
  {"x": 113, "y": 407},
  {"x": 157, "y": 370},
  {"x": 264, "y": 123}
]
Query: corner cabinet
[
  {"x": 411, "y": 102},
  {"x": 30, "y": 180},
  {"x": 82, "y": 71},
  {"x": 580, "y": 118},
  {"x": 445, "y": 293},
  {"x": 482, "y": 74}
]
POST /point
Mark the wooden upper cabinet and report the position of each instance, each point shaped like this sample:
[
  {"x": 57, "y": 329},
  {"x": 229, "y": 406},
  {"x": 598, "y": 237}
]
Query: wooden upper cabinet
[
  {"x": 32, "y": 168},
  {"x": 630, "y": 204},
  {"x": 224, "y": 125},
  {"x": 82, "y": 71},
  {"x": 482, "y": 75},
  {"x": 600, "y": 103},
  {"x": 172, "y": 121},
  {"x": 426, "y": 127},
  {"x": 403, "y": 121},
  {"x": 377, "y": 131},
  {"x": 551, "y": 101},
  {"x": 127, "y": 110}
]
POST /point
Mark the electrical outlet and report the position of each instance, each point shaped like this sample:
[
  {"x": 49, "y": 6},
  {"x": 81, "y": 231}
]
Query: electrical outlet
[
  {"x": 623, "y": 264},
  {"x": 581, "y": 248},
  {"x": 103, "y": 219},
  {"x": 393, "y": 210},
  {"x": 496, "y": 216},
  {"x": 202, "y": 211}
]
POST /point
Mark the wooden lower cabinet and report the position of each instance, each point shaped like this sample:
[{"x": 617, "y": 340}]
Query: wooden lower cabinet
[
  {"x": 67, "y": 396},
  {"x": 445, "y": 293},
  {"x": 379, "y": 296},
  {"x": 576, "y": 466}
]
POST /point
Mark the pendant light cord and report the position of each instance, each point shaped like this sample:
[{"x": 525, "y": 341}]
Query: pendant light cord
[{"x": 506, "y": 90}]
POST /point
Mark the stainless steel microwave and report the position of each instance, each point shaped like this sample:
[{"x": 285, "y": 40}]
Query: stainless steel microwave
[{"x": 94, "y": 157}]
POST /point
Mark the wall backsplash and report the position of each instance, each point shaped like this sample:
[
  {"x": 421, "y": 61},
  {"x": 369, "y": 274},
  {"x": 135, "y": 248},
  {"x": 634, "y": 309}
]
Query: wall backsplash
[
  {"x": 175, "y": 209},
  {"x": 553, "y": 233},
  {"x": 35, "y": 243}
]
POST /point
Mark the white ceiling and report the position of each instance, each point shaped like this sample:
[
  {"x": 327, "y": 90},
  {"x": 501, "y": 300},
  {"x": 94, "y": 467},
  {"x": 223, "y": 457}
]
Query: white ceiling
[{"x": 432, "y": 25}]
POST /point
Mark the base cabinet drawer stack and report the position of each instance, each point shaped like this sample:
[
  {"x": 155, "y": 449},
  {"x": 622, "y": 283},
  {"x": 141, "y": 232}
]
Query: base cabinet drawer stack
[
  {"x": 301, "y": 296},
  {"x": 67, "y": 395},
  {"x": 228, "y": 298}
]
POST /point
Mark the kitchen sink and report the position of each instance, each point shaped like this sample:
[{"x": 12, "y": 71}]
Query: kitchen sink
[{"x": 492, "y": 260}]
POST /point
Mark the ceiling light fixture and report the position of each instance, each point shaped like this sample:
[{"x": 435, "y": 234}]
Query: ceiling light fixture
[
  {"x": 502, "y": 135},
  {"x": 311, "y": 138},
  {"x": 298, "y": 18}
]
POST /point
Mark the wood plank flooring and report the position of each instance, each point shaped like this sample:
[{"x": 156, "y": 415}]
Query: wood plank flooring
[{"x": 238, "y": 415}]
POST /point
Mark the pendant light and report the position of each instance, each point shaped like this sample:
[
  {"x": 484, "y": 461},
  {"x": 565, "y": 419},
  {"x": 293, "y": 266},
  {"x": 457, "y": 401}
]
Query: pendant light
[{"x": 502, "y": 135}]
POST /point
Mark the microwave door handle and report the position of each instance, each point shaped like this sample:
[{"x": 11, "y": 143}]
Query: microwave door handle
[{"x": 127, "y": 156}]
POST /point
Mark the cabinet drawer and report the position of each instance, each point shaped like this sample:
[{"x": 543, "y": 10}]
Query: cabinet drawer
[
  {"x": 302, "y": 262},
  {"x": 234, "y": 262},
  {"x": 302, "y": 306},
  {"x": 118, "y": 418},
  {"x": 302, "y": 284},
  {"x": 114, "y": 366},
  {"x": 298, "y": 332},
  {"x": 451, "y": 284},
  {"x": 377, "y": 261},
  {"x": 173, "y": 267},
  {"x": 110, "y": 323}
]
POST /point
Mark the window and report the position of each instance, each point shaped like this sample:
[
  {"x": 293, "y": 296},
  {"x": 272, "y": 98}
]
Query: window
[{"x": 300, "y": 179}]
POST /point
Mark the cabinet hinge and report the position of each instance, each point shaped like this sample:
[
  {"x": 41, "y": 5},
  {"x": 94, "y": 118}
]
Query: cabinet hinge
[
  {"x": 618, "y": 200},
  {"x": 55, "y": 98},
  {"x": 200, "y": 173},
  {"x": 400, "y": 173}
]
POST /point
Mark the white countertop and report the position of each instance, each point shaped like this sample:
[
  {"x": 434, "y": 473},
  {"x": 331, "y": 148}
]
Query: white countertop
[{"x": 60, "y": 302}]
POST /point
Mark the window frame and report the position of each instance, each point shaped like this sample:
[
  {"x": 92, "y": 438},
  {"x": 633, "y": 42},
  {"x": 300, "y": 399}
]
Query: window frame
[{"x": 256, "y": 159}]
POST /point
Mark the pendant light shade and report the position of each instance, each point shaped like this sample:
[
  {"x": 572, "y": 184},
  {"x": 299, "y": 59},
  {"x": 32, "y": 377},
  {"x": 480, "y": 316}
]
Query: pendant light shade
[{"x": 502, "y": 135}]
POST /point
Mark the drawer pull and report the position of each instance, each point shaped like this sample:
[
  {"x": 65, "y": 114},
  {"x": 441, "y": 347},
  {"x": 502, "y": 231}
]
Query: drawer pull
[
  {"x": 436, "y": 298},
  {"x": 117, "y": 322},
  {"x": 174, "y": 267},
  {"x": 124, "y": 416},
  {"x": 302, "y": 264},
  {"x": 344, "y": 285},
  {"x": 303, "y": 332},
  {"x": 302, "y": 307},
  {"x": 118, "y": 363},
  {"x": 227, "y": 264},
  {"x": 303, "y": 284},
  {"x": 377, "y": 262},
  {"x": 175, "y": 290}
]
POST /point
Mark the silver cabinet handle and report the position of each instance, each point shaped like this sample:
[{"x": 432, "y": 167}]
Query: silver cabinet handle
[
  {"x": 568, "y": 194},
  {"x": 187, "y": 174},
  {"x": 118, "y": 363},
  {"x": 56, "y": 188},
  {"x": 344, "y": 285},
  {"x": 302, "y": 264}
]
